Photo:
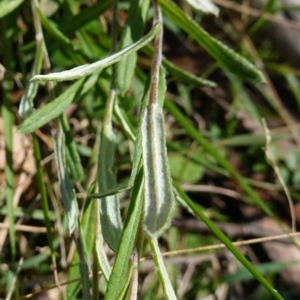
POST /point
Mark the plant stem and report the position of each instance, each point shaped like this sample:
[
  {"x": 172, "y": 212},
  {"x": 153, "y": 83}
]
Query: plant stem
[{"x": 156, "y": 61}]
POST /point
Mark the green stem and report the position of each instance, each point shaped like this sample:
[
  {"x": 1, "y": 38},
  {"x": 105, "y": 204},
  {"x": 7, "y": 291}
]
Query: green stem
[
  {"x": 8, "y": 120},
  {"x": 42, "y": 189}
]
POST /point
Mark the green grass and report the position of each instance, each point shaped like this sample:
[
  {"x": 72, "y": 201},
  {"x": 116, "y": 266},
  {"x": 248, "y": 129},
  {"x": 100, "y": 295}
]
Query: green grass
[{"x": 110, "y": 122}]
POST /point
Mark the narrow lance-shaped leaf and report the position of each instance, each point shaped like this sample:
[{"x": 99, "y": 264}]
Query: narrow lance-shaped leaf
[
  {"x": 230, "y": 60},
  {"x": 179, "y": 73},
  {"x": 7, "y": 6},
  {"x": 119, "y": 274},
  {"x": 56, "y": 107},
  {"x": 109, "y": 206},
  {"x": 219, "y": 234},
  {"x": 72, "y": 156},
  {"x": 26, "y": 104},
  {"x": 88, "y": 232},
  {"x": 54, "y": 31},
  {"x": 99, "y": 246},
  {"x": 133, "y": 30},
  {"x": 159, "y": 196},
  {"x": 66, "y": 187},
  {"x": 88, "y": 69},
  {"x": 84, "y": 262},
  {"x": 158, "y": 186}
]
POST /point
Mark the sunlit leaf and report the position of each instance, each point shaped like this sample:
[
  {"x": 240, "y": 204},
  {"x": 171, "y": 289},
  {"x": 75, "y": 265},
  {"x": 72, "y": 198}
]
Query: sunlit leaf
[{"x": 88, "y": 69}]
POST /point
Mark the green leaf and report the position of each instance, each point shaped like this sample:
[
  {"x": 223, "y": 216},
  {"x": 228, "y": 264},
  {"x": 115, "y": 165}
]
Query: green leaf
[
  {"x": 131, "y": 33},
  {"x": 26, "y": 104},
  {"x": 159, "y": 196},
  {"x": 56, "y": 107},
  {"x": 183, "y": 169},
  {"x": 219, "y": 234},
  {"x": 99, "y": 243},
  {"x": 205, "y": 6},
  {"x": 73, "y": 159},
  {"x": 7, "y": 6},
  {"x": 67, "y": 190},
  {"x": 84, "y": 16},
  {"x": 119, "y": 274},
  {"x": 225, "y": 56},
  {"x": 122, "y": 187},
  {"x": 185, "y": 76},
  {"x": 110, "y": 216},
  {"x": 54, "y": 31},
  {"x": 88, "y": 69},
  {"x": 84, "y": 262},
  {"x": 88, "y": 232}
]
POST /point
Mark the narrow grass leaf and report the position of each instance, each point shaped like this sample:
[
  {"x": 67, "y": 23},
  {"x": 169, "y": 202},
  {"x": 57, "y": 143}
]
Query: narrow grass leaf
[
  {"x": 119, "y": 274},
  {"x": 185, "y": 76},
  {"x": 224, "y": 55},
  {"x": 219, "y": 234},
  {"x": 132, "y": 32},
  {"x": 84, "y": 16},
  {"x": 122, "y": 187},
  {"x": 56, "y": 107},
  {"x": 179, "y": 73},
  {"x": 99, "y": 243},
  {"x": 72, "y": 24},
  {"x": 158, "y": 187},
  {"x": 88, "y": 69},
  {"x": 7, "y": 6},
  {"x": 66, "y": 187},
  {"x": 54, "y": 31},
  {"x": 205, "y": 6},
  {"x": 110, "y": 216},
  {"x": 40, "y": 178},
  {"x": 88, "y": 232},
  {"x": 124, "y": 122},
  {"x": 84, "y": 262},
  {"x": 162, "y": 272},
  {"x": 26, "y": 103},
  {"x": 186, "y": 124},
  {"x": 72, "y": 156}
]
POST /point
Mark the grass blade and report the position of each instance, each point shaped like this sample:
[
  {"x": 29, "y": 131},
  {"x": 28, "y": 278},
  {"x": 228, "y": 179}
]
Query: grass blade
[
  {"x": 55, "y": 32},
  {"x": 26, "y": 104},
  {"x": 119, "y": 274},
  {"x": 88, "y": 232},
  {"x": 84, "y": 265},
  {"x": 162, "y": 272},
  {"x": 132, "y": 32},
  {"x": 225, "y": 56},
  {"x": 194, "y": 133},
  {"x": 73, "y": 159},
  {"x": 219, "y": 234}
]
